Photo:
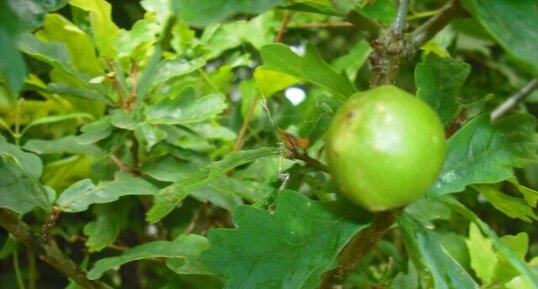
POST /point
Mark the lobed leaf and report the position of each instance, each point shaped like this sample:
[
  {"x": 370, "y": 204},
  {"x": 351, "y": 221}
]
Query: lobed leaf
[
  {"x": 79, "y": 196},
  {"x": 185, "y": 247},
  {"x": 485, "y": 153},
  {"x": 513, "y": 207},
  {"x": 438, "y": 81},
  {"x": 185, "y": 109},
  {"x": 167, "y": 198},
  {"x": 20, "y": 191},
  {"x": 288, "y": 248}
]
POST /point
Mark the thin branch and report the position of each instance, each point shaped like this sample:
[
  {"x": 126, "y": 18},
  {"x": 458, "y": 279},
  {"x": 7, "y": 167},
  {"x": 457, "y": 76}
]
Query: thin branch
[
  {"x": 399, "y": 22},
  {"x": 283, "y": 26},
  {"x": 308, "y": 160},
  {"x": 250, "y": 113},
  {"x": 325, "y": 24},
  {"x": 513, "y": 101},
  {"x": 356, "y": 250},
  {"x": 452, "y": 10},
  {"x": 46, "y": 252}
]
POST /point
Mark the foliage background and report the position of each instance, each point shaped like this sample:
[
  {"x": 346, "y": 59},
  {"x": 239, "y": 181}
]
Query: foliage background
[{"x": 130, "y": 132}]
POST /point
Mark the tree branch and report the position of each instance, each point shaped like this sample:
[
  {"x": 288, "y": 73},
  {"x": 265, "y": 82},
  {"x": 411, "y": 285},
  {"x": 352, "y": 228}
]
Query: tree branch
[
  {"x": 399, "y": 22},
  {"x": 452, "y": 10},
  {"x": 356, "y": 250},
  {"x": 514, "y": 100},
  {"x": 46, "y": 252}
]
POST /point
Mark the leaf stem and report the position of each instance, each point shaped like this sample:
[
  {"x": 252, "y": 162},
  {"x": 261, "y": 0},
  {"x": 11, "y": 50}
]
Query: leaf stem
[
  {"x": 18, "y": 275},
  {"x": 513, "y": 100},
  {"x": 356, "y": 250},
  {"x": 46, "y": 252}
]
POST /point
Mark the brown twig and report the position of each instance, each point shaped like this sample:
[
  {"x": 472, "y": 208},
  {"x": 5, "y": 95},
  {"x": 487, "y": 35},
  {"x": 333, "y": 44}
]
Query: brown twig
[
  {"x": 356, "y": 250},
  {"x": 78, "y": 238},
  {"x": 513, "y": 100},
  {"x": 46, "y": 252},
  {"x": 283, "y": 27},
  {"x": 134, "y": 85},
  {"x": 325, "y": 24},
  {"x": 250, "y": 113}
]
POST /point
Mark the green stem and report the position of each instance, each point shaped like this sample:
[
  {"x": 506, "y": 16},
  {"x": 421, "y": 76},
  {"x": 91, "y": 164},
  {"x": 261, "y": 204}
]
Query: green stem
[
  {"x": 18, "y": 274},
  {"x": 31, "y": 270}
]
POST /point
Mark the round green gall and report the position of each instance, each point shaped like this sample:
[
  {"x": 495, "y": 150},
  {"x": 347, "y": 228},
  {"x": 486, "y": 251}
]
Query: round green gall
[{"x": 385, "y": 148}]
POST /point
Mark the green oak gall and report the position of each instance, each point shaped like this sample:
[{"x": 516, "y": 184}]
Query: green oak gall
[{"x": 385, "y": 148}]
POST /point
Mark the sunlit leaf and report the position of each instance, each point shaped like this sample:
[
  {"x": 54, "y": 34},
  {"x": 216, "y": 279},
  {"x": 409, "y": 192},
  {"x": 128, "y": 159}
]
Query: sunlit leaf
[{"x": 310, "y": 67}]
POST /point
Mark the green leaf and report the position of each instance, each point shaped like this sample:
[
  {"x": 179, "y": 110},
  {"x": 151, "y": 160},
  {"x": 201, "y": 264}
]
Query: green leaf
[
  {"x": 95, "y": 131},
  {"x": 167, "y": 198},
  {"x": 438, "y": 81},
  {"x": 382, "y": 10},
  {"x": 185, "y": 109},
  {"x": 147, "y": 74},
  {"x": 185, "y": 247},
  {"x": 311, "y": 67},
  {"x": 512, "y": 24},
  {"x": 519, "y": 244},
  {"x": 530, "y": 195},
  {"x": 53, "y": 53},
  {"x": 205, "y": 12},
  {"x": 20, "y": 191},
  {"x": 324, "y": 7},
  {"x": 511, "y": 206},
  {"x": 56, "y": 118},
  {"x": 502, "y": 248},
  {"x": 446, "y": 272},
  {"x": 257, "y": 31},
  {"x": 30, "y": 12},
  {"x": 221, "y": 191},
  {"x": 84, "y": 193},
  {"x": 271, "y": 82},
  {"x": 169, "y": 69},
  {"x": 9, "y": 246},
  {"x": 142, "y": 32},
  {"x": 288, "y": 248},
  {"x": 483, "y": 258},
  {"x": 485, "y": 153},
  {"x": 105, "y": 32},
  {"x": 110, "y": 219},
  {"x": 80, "y": 92},
  {"x": 12, "y": 66},
  {"x": 148, "y": 136},
  {"x": 81, "y": 50},
  {"x": 28, "y": 161},
  {"x": 68, "y": 144},
  {"x": 354, "y": 59}
]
